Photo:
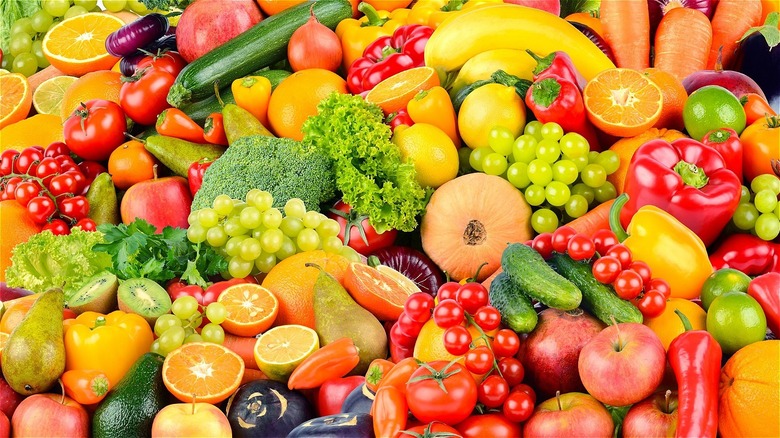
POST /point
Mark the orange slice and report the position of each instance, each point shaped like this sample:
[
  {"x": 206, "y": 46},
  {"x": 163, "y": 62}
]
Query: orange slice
[
  {"x": 623, "y": 102},
  {"x": 251, "y": 309},
  {"x": 207, "y": 372},
  {"x": 78, "y": 45},
  {"x": 395, "y": 92},
  {"x": 15, "y": 98}
]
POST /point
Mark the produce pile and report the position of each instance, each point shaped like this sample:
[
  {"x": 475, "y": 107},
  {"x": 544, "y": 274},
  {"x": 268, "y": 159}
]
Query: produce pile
[{"x": 390, "y": 218}]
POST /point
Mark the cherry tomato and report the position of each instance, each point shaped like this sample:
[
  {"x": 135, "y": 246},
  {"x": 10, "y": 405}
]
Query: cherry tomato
[
  {"x": 543, "y": 244},
  {"x": 561, "y": 237},
  {"x": 62, "y": 184},
  {"x": 56, "y": 149},
  {"x": 518, "y": 407},
  {"x": 95, "y": 129},
  {"x": 606, "y": 269},
  {"x": 493, "y": 424},
  {"x": 419, "y": 306},
  {"x": 487, "y": 317},
  {"x": 622, "y": 253},
  {"x": 25, "y": 191},
  {"x": 448, "y": 313},
  {"x": 581, "y": 247},
  {"x": 447, "y": 291},
  {"x": 10, "y": 186},
  {"x": 643, "y": 270},
  {"x": 512, "y": 370},
  {"x": 408, "y": 326},
  {"x": 661, "y": 286},
  {"x": 628, "y": 284},
  {"x": 26, "y": 159},
  {"x": 168, "y": 61},
  {"x": 75, "y": 208},
  {"x": 66, "y": 163},
  {"x": 456, "y": 340},
  {"x": 400, "y": 338},
  {"x": 604, "y": 240},
  {"x": 7, "y": 159},
  {"x": 356, "y": 231},
  {"x": 472, "y": 296},
  {"x": 522, "y": 387},
  {"x": 91, "y": 169},
  {"x": 399, "y": 353},
  {"x": 41, "y": 208},
  {"x": 86, "y": 224},
  {"x": 506, "y": 343},
  {"x": 493, "y": 391},
  {"x": 82, "y": 186},
  {"x": 651, "y": 304},
  {"x": 48, "y": 167},
  {"x": 435, "y": 429},
  {"x": 441, "y": 391},
  {"x": 479, "y": 360}
]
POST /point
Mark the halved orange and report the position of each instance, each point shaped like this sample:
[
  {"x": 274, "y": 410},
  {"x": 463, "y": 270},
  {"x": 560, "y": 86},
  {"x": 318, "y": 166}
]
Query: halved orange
[
  {"x": 622, "y": 102},
  {"x": 251, "y": 309},
  {"x": 393, "y": 93},
  {"x": 376, "y": 291},
  {"x": 207, "y": 372},
  {"x": 78, "y": 45},
  {"x": 280, "y": 350},
  {"x": 15, "y": 98}
]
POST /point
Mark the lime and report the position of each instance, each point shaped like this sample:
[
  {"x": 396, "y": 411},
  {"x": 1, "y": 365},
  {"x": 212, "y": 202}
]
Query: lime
[
  {"x": 720, "y": 282},
  {"x": 279, "y": 350},
  {"x": 712, "y": 107},
  {"x": 735, "y": 320},
  {"x": 47, "y": 98}
]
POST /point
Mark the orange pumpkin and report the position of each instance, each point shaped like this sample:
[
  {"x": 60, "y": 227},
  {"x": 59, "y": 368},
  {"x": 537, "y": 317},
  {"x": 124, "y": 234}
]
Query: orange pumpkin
[{"x": 470, "y": 220}]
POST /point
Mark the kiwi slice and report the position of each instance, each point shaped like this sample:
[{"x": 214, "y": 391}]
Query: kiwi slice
[
  {"x": 144, "y": 297},
  {"x": 98, "y": 294}
]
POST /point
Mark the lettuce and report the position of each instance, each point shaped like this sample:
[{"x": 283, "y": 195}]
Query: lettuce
[{"x": 10, "y": 11}]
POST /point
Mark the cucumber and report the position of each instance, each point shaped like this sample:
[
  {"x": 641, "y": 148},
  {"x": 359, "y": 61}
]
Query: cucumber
[
  {"x": 537, "y": 279},
  {"x": 517, "y": 311},
  {"x": 274, "y": 76},
  {"x": 597, "y": 298},
  {"x": 261, "y": 46}
]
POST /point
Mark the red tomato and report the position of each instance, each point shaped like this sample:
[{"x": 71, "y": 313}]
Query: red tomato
[
  {"x": 58, "y": 227},
  {"x": 429, "y": 402},
  {"x": 419, "y": 306},
  {"x": 604, "y": 240},
  {"x": 333, "y": 392},
  {"x": 492, "y": 425},
  {"x": 652, "y": 304},
  {"x": 41, "y": 208},
  {"x": 447, "y": 290},
  {"x": 448, "y": 313},
  {"x": 479, "y": 360},
  {"x": 357, "y": 232},
  {"x": 95, "y": 129},
  {"x": 493, "y": 391},
  {"x": 512, "y": 370},
  {"x": 543, "y": 244},
  {"x": 628, "y": 284},
  {"x": 430, "y": 430},
  {"x": 622, "y": 253},
  {"x": 487, "y": 317},
  {"x": 472, "y": 296},
  {"x": 518, "y": 406},
  {"x": 25, "y": 191},
  {"x": 168, "y": 61},
  {"x": 561, "y": 238},
  {"x": 606, "y": 269},
  {"x": 27, "y": 160},
  {"x": 506, "y": 343},
  {"x": 144, "y": 98},
  {"x": 581, "y": 247},
  {"x": 76, "y": 208}
]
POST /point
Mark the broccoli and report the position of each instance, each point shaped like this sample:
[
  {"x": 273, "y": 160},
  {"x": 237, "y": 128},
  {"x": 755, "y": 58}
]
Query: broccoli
[{"x": 281, "y": 166}]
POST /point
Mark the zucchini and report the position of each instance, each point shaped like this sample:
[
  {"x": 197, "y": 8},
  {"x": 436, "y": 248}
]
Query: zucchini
[
  {"x": 517, "y": 311},
  {"x": 198, "y": 111},
  {"x": 537, "y": 279},
  {"x": 261, "y": 46},
  {"x": 597, "y": 298},
  {"x": 274, "y": 76}
]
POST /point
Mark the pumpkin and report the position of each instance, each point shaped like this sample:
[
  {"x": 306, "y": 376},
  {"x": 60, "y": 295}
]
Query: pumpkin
[
  {"x": 358, "y": 425},
  {"x": 358, "y": 401},
  {"x": 266, "y": 408},
  {"x": 470, "y": 220}
]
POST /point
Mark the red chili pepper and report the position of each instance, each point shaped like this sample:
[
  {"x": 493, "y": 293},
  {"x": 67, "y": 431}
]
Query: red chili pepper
[
  {"x": 695, "y": 359},
  {"x": 766, "y": 290},
  {"x": 688, "y": 180},
  {"x": 398, "y": 118},
  {"x": 195, "y": 174},
  {"x": 747, "y": 253},
  {"x": 557, "y": 65},
  {"x": 387, "y": 56},
  {"x": 329, "y": 362},
  {"x": 214, "y": 130},
  {"x": 726, "y": 141},
  {"x": 558, "y": 100},
  {"x": 174, "y": 122}
]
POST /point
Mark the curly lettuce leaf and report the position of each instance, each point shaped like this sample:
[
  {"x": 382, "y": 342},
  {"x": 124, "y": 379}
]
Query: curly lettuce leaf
[{"x": 10, "y": 11}]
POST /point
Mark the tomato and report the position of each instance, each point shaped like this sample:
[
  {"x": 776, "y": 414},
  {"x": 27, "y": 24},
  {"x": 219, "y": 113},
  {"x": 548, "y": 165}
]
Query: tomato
[
  {"x": 512, "y": 370},
  {"x": 561, "y": 238},
  {"x": 58, "y": 227},
  {"x": 661, "y": 286},
  {"x": 85, "y": 386},
  {"x": 479, "y": 360},
  {"x": 472, "y": 296},
  {"x": 95, "y": 129},
  {"x": 448, "y": 313},
  {"x": 522, "y": 387},
  {"x": 25, "y": 191},
  {"x": 419, "y": 306},
  {"x": 56, "y": 149},
  {"x": 487, "y": 317},
  {"x": 456, "y": 340},
  {"x": 628, "y": 284},
  {"x": 543, "y": 244},
  {"x": 144, "y": 96},
  {"x": 622, "y": 253},
  {"x": 604, "y": 240},
  {"x": 66, "y": 163},
  {"x": 399, "y": 353},
  {"x": 408, "y": 326},
  {"x": 759, "y": 146},
  {"x": 168, "y": 61},
  {"x": 47, "y": 168},
  {"x": 390, "y": 411},
  {"x": 333, "y": 392},
  {"x": 41, "y": 208},
  {"x": 7, "y": 159},
  {"x": 82, "y": 185},
  {"x": 652, "y": 304},
  {"x": 447, "y": 291},
  {"x": 75, "y": 208},
  {"x": 430, "y": 430},
  {"x": 606, "y": 269},
  {"x": 91, "y": 169},
  {"x": 518, "y": 406},
  {"x": 357, "y": 232},
  {"x": 493, "y": 425},
  {"x": 505, "y": 343},
  {"x": 400, "y": 338},
  {"x": 643, "y": 270},
  {"x": 377, "y": 370},
  {"x": 493, "y": 391},
  {"x": 86, "y": 224},
  {"x": 131, "y": 163},
  {"x": 27, "y": 158},
  {"x": 441, "y": 391},
  {"x": 62, "y": 184},
  {"x": 581, "y": 247}
]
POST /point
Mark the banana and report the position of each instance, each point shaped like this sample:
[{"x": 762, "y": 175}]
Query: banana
[
  {"x": 508, "y": 26},
  {"x": 481, "y": 66}
]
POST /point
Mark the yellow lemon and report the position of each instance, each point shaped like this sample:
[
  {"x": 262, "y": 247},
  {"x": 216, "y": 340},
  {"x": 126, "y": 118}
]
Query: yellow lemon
[
  {"x": 485, "y": 108},
  {"x": 433, "y": 153}
]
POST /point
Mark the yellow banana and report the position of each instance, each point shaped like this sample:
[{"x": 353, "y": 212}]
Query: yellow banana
[
  {"x": 481, "y": 66},
  {"x": 508, "y": 26}
]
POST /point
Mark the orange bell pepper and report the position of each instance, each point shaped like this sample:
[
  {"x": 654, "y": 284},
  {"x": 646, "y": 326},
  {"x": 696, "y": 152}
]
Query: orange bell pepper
[
  {"x": 434, "y": 106},
  {"x": 329, "y": 362},
  {"x": 356, "y": 35},
  {"x": 253, "y": 93},
  {"x": 759, "y": 147}
]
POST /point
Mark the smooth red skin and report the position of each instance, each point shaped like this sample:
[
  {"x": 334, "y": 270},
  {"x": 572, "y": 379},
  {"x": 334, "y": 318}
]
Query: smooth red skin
[
  {"x": 143, "y": 100},
  {"x": 551, "y": 6},
  {"x": 9, "y": 399},
  {"x": 161, "y": 202},
  {"x": 624, "y": 377},
  {"x": 650, "y": 418},
  {"x": 766, "y": 290},
  {"x": 332, "y": 394},
  {"x": 747, "y": 253},
  {"x": 207, "y": 24},
  {"x": 5, "y": 426},
  {"x": 492, "y": 425},
  {"x": 550, "y": 353},
  {"x": 582, "y": 415},
  {"x": 375, "y": 241},
  {"x": 428, "y": 402},
  {"x": 103, "y": 132},
  {"x": 44, "y": 415},
  {"x": 739, "y": 84}
]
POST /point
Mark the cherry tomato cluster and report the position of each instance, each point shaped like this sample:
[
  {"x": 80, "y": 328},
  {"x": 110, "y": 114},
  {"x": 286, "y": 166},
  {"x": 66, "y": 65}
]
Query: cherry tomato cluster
[{"x": 50, "y": 185}]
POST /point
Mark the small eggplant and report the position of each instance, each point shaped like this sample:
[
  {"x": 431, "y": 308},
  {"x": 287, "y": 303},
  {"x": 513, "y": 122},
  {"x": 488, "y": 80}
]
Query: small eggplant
[
  {"x": 597, "y": 39},
  {"x": 413, "y": 264},
  {"x": 133, "y": 36},
  {"x": 758, "y": 56}
]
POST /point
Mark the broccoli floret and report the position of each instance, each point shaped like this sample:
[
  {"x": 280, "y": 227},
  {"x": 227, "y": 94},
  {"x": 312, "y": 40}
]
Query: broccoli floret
[{"x": 281, "y": 166}]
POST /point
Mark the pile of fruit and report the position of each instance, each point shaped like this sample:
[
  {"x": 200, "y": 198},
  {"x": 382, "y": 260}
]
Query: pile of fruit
[{"x": 404, "y": 218}]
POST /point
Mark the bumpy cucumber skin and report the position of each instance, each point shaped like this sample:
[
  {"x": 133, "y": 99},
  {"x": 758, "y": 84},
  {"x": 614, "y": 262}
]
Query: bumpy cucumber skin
[
  {"x": 528, "y": 270},
  {"x": 516, "y": 309}
]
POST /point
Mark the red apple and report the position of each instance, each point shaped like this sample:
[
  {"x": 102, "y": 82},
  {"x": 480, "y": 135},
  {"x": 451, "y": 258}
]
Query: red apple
[
  {"x": 9, "y": 399},
  {"x": 653, "y": 416},
  {"x": 191, "y": 419},
  {"x": 551, "y": 6},
  {"x": 50, "y": 415},
  {"x": 550, "y": 353},
  {"x": 623, "y": 364},
  {"x": 160, "y": 201},
  {"x": 738, "y": 83},
  {"x": 569, "y": 415},
  {"x": 5, "y": 426},
  {"x": 207, "y": 24}
]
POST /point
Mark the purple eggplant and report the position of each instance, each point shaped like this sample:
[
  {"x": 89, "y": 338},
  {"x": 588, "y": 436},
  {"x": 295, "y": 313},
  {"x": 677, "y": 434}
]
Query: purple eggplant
[
  {"x": 600, "y": 42},
  {"x": 758, "y": 56},
  {"x": 415, "y": 265},
  {"x": 133, "y": 36},
  {"x": 167, "y": 42}
]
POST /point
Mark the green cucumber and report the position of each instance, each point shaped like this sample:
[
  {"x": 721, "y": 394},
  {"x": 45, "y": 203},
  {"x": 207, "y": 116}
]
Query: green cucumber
[
  {"x": 537, "y": 279},
  {"x": 516, "y": 309},
  {"x": 261, "y": 46},
  {"x": 274, "y": 76},
  {"x": 597, "y": 298}
]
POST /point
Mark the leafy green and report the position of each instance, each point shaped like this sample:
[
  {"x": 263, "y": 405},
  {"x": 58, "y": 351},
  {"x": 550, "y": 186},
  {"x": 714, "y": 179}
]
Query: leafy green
[
  {"x": 569, "y": 7},
  {"x": 46, "y": 261},
  {"x": 137, "y": 251},
  {"x": 618, "y": 413},
  {"x": 166, "y": 5},
  {"x": 10, "y": 11},
  {"x": 370, "y": 173}
]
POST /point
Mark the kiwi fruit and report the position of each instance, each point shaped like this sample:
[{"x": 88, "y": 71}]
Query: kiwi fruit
[
  {"x": 143, "y": 297},
  {"x": 98, "y": 294}
]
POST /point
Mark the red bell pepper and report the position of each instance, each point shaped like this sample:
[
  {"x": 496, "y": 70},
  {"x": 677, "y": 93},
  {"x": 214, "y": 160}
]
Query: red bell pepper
[
  {"x": 747, "y": 253},
  {"x": 688, "y": 180},
  {"x": 195, "y": 174},
  {"x": 766, "y": 290},
  {"x": 554, "y": 99},
  {"x": 726, "y": 141},
  {"x": 557, "y": 65},
  {"x": 332, "y": 393},
  {"x": 398, "y": 118},
  {"x": 387, "y": 56},
  {"x": 176, "y": 288}
]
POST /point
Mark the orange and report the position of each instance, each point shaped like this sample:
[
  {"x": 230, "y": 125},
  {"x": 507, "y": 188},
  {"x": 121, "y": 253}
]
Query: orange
[
  {"x": 103, "y": 84},
  {"x": 674, "y": 97},
  {"x": 16, "y": 227},
  {"x": 622, "y": 102},
  {"x": 750, "y": 392},
  {"x": 377, "y": 292},
  {"x": 207, "y": 372},
  {"x": 271, "y": 7},
  {"x": 296, "y": 98},
  {"x": 251, "y": 309},
  {"x": 393, "y": 93},
  {"x": 625, "y": 148},
  {"x": 40, "y": 129},
  {"x": 15, "y": 313},
  {"x": 292, "y": 282},
  {"x": 78, "y": 45},
  {"x": 15, "y": 99},
  {"x": 131, "y": 163},
  {"x": 668, "y": 325}
]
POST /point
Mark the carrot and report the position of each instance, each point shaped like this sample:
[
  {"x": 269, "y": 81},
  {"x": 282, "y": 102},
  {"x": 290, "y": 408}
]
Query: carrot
[
  {"x": 626, "y": 26},
  {"x": 243, "y": 346},
  {"x": 594, "y": 220},
  {"x": 731, "y": 20},
  {"x": 682, "y": 42}
]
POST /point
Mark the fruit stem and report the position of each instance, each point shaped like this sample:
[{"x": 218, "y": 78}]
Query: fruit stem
[
  {"x": 620, "y": 341},
  {"x": 216, "y": 93},
  {"x": 558, "y": 399},
  {"x": 62, "y": 388},
  {"x": 614, "y": 217},
  {"x": 100, "y": 321},
  {"x": 686, "y": 322},
  {"x": 691, "y": 174},
  {"x": 194, "y": 399},
  {"x": 667, "y": 396}
]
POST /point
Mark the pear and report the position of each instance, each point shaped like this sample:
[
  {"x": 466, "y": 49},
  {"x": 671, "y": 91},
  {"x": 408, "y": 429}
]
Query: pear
[
  {"x": 178, "y": 155},
  {"x": 103, "y": 203},
  {"x": 240, "y": 123},
  {"x": 34, "y": 354}
]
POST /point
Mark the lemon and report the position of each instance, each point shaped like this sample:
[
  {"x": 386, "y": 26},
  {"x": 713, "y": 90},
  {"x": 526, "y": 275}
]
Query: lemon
[
  {"x": 486, "y": 107},
  {"x": 279, "y": 350},
  {"x": 47, "y": 98},
  {"x": 433, "y": 153},
  {"x": 735, "y": 319},
  {"x": 712, "y": 107}
]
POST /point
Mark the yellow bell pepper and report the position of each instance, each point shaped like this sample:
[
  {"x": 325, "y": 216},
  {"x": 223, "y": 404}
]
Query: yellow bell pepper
[
  {"x": 356, "y": 35},
  {"x": 253, "y": 93},
  {"x": 433, "y": 12},
  {"x": 671, "y": 250},
  {"x": 434, "y": 106},
  {"x": 108, "y": 343}
]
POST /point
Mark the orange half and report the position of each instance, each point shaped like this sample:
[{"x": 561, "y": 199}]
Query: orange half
[
  {"x": 78, "y": 45},
  {"x": 623, "y": 102},
  {"x": 251, "y": 309},
  {"x": 393, "y": 93},
  {"x": 15, "y": 98},
  {"x": 203, "y": 371}
]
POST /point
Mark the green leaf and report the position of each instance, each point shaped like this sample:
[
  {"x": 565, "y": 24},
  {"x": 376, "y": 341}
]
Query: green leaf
[
  {"x": 769, "y": 30},
  {"x": 569, "y": 7},
  {"x": 618, "y": 414}
]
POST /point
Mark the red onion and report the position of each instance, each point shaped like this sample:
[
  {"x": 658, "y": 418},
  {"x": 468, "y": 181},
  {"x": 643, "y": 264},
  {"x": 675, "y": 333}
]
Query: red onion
[
  {"x": 417, "y": 266},
  {"x": 138, "y": 34},
  {"x": 659, "y": 8}
]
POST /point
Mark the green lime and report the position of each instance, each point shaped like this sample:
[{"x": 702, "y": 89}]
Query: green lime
[
  {"x": 712, "y": 107},
  {"x": 720, "y": 282},
  {"x": 735, "y": 320}
]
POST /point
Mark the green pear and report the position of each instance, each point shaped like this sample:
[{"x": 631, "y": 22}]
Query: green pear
[{"x": 103, "y": 204}]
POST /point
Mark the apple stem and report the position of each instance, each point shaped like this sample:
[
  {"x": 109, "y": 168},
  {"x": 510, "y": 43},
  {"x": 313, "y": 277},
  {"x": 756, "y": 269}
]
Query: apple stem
[
  {"x": 62, "y": 388},
  {"x": 620, "y": 341},
  {"x": 154, "y": 171},
  {"x": 194, "y": 399},
  {"x": 667, "y": 396},
  {"x": 558, "y": 399}
]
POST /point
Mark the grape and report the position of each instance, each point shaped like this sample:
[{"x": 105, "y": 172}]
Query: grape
[
  {"x": 86, "y": 4},
  {"x": 155, "y": 347},
  {"x": 767, "y": 226},
  {"x": 574, "y": 145},
  {"x": 582, "y": 189},
  {"x": 534, "y": 194},
  {"x": 551, "y": 131},
  {"x": 288, "y": 249},
  {"x": 250, "y": 249},
  {"x": 41, "y": 21},
  {"x": 165, "y": 322},
  {"x": 494, "y": 164},
  {"x": 234, "y": 228},
  {"x": 208, "y": 217},
  {"x": 765, "y": 200},
  {"x": 350, "y": 254},
  {"x": 592, "y": 155},
  {"x": 312, "y": 219},
  {"x": 196, "y": 233},
  {"x": 114, "y": 5},
  {"x": 766, "y": 181},
  {"x": 233, "y": 244},
  {"x": 193, "y": 337},
  {"x": 216, "y": 237},
  {"x": 576, "y": 206},
  {"x": 534, "y": 128},
  {"x": 477, "y": 157},
  {"x": 265, "y": 262},
  {"x": 192, "y": 218},
  {"x": 212, "y": 333},
  {"x": 579, "y": 162},
  {"x": 332, "y": 244},
  {"x": 223, "y": 205},
  {"x": 271, "y": 241},
  {"x": 22, "y": 25},
  {"x": 308, "y": 240},
  {"x": 609, "y": 160},
  {"x": 744, "y": 195},
  {"x": 500, "y": 140},
  {"x": 524, "y": 148},
  {"x": 171, "y": 339},
  {"x": 557, "y": 193},
  {"x": 544, "y": 221},
  {"x": 8, "y": 62},
  {"x": 777, "y": 209},
  {"x": 295, "y": 208},
  {"x": 540, "y": 172},
  {"x": 238, "y": 267},
  {"x": 250, "y": 217},
  {"x": 75, "y": 11},
  {"x": 517, "y": 174},
  {"x": 37, "y": 50},
  {"x": 20, "y": 43},
  {"x": 565, "y": 171},
  {"x": 328, "y": 227},
  {"x": 272, "y": 218},
  {"x": 291, "y": 226},
  {"x": 25, "y": 64},
  {"x": 548, "y": 150},
  {"x": 745, "y": 216},
  {"x": 58, "y": 8},
  {"x": 137, "y": 7},
  {"x": 605, "y": 192},
  {"x": 216, "y": 312},
  {"x": 184, "y": 307},
  {"x": 593, "y": 175}
]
